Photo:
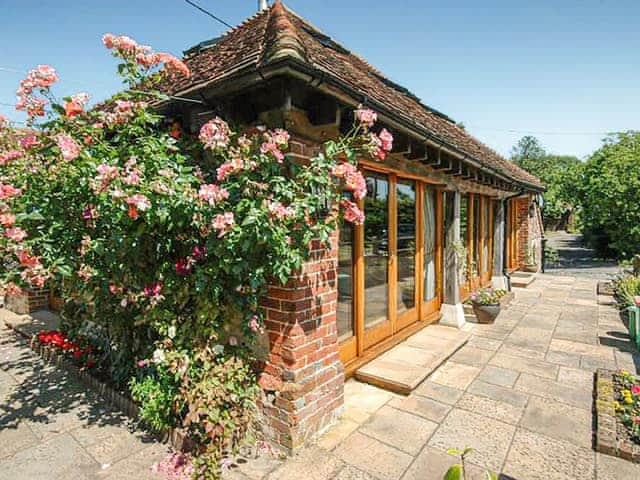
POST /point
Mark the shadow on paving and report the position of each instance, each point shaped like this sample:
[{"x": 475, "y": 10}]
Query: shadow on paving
[
  {"x": 47, "y": 399},
  {"x": 577, "y": 258}
]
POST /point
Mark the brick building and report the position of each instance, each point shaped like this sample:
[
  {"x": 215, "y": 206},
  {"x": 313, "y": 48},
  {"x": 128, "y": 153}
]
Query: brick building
[{"x": 446, "y": 214}]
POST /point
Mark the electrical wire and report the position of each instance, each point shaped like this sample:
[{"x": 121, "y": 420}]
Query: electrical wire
[{"x": 206, "y": 12}]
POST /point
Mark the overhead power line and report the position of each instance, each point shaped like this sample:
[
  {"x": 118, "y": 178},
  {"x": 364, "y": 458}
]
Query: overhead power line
[
  {"x": 533, "y": 132},
  {"x": 207, "y": 12}
]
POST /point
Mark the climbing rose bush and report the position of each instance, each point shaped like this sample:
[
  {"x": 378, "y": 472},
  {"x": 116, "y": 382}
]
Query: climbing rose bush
[{"x": 162, "y": 243}]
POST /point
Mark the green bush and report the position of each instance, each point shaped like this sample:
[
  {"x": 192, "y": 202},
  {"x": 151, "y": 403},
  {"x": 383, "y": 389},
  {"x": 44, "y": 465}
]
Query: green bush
[
  {"x": 610, "y": 196},
  {"x": 626, "y": 286}
]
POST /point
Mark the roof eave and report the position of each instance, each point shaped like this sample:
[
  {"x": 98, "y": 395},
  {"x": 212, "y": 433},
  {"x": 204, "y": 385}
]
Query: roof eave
[{"x": 289, "y": 62}]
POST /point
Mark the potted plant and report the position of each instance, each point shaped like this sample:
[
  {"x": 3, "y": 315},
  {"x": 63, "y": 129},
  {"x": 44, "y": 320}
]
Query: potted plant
[
  {"x": 530, "y": 261},
  {"x": 486, "y": 304}
]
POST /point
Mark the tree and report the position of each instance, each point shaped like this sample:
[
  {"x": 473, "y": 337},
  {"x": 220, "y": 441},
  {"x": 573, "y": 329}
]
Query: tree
[
  {"x": 527, "y": 151},
  {"x": 610, "y": 196},
  {"x": 559, "y": 173}
]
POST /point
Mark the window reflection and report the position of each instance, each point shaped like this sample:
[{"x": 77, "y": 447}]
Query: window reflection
[
  {"x": 406, "y": 243},
  {"x": 345, "y": 282},
  {"x": 376, "y": 250},
  {"x": 429, "y": 222}
]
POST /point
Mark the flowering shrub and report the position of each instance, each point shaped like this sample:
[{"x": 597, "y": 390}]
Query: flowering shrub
[
  {"x": 81, "y": 351},
  {"x": 627, "y": 402},
  {"x": 163, "y": 244},
  {"x": 486, "y": 296}
]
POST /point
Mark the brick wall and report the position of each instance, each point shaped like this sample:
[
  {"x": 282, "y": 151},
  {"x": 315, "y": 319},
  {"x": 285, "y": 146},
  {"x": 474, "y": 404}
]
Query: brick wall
[
  {"x": 303, "y": 377},
  {"x": 28, "y": 301},
  {"x": 530, "y": 229}
]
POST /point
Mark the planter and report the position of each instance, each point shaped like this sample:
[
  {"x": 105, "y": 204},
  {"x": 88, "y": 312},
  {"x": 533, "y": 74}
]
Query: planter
[
  {"x": 486, "y": 313},
  {"x": 531, "y": 268}
]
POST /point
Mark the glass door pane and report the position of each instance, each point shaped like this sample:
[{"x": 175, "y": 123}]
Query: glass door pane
[
  {"x": 345, "y": 282},
  {"x": 486, "y": 232},
  {"x": 376, "y": 250},
  {"x": 429, "y": 222},
  {"x": 476, "y": 236},
  {"x": 406, "y": 244},
  {"x": 464, "y": 232}
]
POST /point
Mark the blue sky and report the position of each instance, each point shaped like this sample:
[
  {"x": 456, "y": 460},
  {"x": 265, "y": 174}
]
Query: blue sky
[{"x": 566, "y": 71}]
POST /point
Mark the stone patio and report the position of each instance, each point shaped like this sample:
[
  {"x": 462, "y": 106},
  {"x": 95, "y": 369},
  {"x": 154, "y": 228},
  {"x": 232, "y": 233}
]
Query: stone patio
[{"x": 519, "y": 392}]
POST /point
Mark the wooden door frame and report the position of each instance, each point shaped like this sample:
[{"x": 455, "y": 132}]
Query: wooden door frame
[{"x": 423, "y": 313}]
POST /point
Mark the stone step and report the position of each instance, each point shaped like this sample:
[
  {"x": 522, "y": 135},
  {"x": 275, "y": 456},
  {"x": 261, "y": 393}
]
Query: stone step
[
  {"x": 522, "y": 279},
  {"x": 406, "y": 365}
]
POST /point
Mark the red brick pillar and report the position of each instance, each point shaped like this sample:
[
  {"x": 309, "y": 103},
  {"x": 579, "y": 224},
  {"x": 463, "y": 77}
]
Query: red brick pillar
[
  {"x": 28, "y": 301},
  {"x": 303, "y": 377}
]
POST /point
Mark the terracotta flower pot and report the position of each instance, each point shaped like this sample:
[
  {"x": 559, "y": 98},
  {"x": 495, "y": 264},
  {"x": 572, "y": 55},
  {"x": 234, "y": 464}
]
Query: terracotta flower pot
[{"x": 486, "y": 313}]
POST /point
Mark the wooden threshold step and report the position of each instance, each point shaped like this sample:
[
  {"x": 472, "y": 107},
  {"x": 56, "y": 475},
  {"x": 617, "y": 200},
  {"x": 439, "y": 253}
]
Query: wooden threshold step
[{"x": 406, "y": 365}]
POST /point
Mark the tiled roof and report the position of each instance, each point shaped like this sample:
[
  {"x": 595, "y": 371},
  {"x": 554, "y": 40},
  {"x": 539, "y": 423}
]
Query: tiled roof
[{"x": 278, "y": 32}]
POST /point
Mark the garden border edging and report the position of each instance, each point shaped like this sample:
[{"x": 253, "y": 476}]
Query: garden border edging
[{"x": 607, "y": 441}]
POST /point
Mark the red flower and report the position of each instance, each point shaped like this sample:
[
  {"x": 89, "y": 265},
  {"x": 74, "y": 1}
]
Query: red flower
[
  {"x": 635, "y": 389},
  {"x": 133, "y": 212},
  {"x": 184, "y": 266},
  {"x": 77, "y": 354}
]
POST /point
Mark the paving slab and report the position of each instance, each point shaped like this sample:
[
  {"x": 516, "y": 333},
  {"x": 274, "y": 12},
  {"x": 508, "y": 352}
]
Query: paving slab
[
  {"x": 503, "y": 377},
  {"x": 614, "y": 468},
  {"x": 455, "y": 375},
  {"x": 500, "y": 394},
  {"x": 433, "y": 464},
  {"x": 525, "y": 365},
  {"x": 535, "y": 456},
  {"x": 438, "y": 392},
  {"x": 400, "y": 429},
  {"x": 373, "y": 457},
  {"x": 476, "y": 357},
  {"x": 558, "y": 420},
  {"x": 311, "y": 464},
  {"x": 553, "y": 390},
  {"x": 59, "y": 458},
  {"x": 490, "y": 438},
  {"x": 425, "y": 407},
  {"x": 488, "y": 407}
]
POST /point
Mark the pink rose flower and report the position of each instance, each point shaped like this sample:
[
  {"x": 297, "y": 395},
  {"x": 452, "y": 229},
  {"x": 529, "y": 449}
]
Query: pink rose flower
[
  {"x": 281, "y": 137},
  {"x": 215, "y": 134},
  {"x": 7, "y": 219},
  {"x": 223, "y": 223},
  {"x": 173, "y": 64},
  {"x": 29, "y": 142},
  {"x": 366, "y": 116},
  {"x": 635, "y": 389},
  {"x": 386, "y": 140},
  {"x": 278, "y": 210},
  {"x": 8, "y": 191},
  {"x": 352, "y": 213},
  {"x": 139, "y": 201},
  {"x": 68, "y": 146},
  {"x": 10, "y": 155},
  {"x": 12, "y": 289},
  {"x": 16, "y": 234},
  {"x": 213, "y": 194},
  {"x": 355, "y": 182},
  {"x": 272, "y": 148}
]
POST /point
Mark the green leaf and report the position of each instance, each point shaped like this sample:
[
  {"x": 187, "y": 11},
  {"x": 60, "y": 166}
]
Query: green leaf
[{"x": 455, "y": 472}]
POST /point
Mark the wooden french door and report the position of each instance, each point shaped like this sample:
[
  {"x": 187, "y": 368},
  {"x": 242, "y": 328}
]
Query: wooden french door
[{"x": 389, "y": 268}]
